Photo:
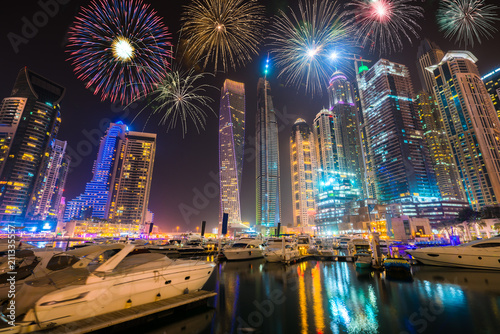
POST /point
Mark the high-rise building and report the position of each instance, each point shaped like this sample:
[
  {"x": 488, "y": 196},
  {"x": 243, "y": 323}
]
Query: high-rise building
[
  {"x": 50, "y": 187},
  {"x": 267, "y": 163},
  {"x": 471, "y": 124},
  {"x": 492, "y": 82},
  {"x": 231, "y": 145},
  {"x": 328, "y": 141},
  {"x": 397, "y": 149},
  {"x": 303, "y": 171},
  {"x": 342, "y": 105},
  {"x": 96, "y": 199},
  {"x": 435, "y": 136},
  {"x": 428, "y": 54},
  {"x": 120, "y": 187},
  {"x": 130, "y": 195},
  {"x": 29, "y": 121}
]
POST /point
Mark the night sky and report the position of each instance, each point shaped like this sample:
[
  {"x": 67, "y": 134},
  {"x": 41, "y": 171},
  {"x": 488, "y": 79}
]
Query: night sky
[{"x": 183, "y": 166}]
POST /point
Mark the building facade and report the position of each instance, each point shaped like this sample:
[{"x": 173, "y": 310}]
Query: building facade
[
  {"x": 268, "y": 193},
  {"x": 328, "y": 142},
  {"x": 472, "y": 126},
  {"x": 492, "y": 82},
  {"x": 95, "y": 201},
  {"x": 29, "y": 121},
  {"x": 130, "y": 195},
  {"x": 428, "y": 54},
  {"x": 439, "y": 149},
  {"x": 51, "y": 186},
  {"x": 398, "y": 152},
  {"x": 303, "y": 170},
  {"x": 231, "y": 149}
]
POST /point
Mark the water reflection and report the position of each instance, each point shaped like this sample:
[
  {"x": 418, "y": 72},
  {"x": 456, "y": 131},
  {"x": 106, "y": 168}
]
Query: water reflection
[{"x": 333, "y": 297}]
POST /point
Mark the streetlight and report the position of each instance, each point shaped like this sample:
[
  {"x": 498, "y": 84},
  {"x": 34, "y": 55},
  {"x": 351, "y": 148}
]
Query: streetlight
[{"x": 177, "y": 229}]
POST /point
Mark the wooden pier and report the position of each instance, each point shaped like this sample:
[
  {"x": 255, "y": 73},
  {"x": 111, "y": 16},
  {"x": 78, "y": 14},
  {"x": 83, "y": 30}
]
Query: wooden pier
[{"x": 126, "y": 315}]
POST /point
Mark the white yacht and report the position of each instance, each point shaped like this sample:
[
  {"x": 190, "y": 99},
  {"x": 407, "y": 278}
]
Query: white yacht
[
  {"x": 244, "y": 249},
  {"x": 304, "y": 242},
  {"x": 479, "y": 254},
  {"x": 281, "y": 249},
  {"x": 114, "y": 279}
]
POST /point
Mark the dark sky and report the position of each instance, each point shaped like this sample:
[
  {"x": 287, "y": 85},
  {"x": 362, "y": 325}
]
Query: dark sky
[{"x": 185, "y": 166}]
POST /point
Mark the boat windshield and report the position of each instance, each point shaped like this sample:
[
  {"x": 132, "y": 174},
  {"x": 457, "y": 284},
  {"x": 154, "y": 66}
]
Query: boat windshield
[{"x": 239, "y": 245}]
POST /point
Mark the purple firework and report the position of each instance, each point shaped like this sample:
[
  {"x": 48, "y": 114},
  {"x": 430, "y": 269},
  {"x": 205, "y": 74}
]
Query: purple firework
[{"x": 120, "y": 48}]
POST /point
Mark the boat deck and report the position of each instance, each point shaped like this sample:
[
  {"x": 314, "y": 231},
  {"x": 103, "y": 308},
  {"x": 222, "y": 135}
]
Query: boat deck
[{"x": 118, "y": 317}]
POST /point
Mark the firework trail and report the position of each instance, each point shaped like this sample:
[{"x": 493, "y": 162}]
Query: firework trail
[
  {"x": 383, "y": 24},
  {"x": 306, "y": 44},
  {"x": 223, "y": 33},
  {"x": 466, "y": 20},
  {"x": 119, "y": 48}
]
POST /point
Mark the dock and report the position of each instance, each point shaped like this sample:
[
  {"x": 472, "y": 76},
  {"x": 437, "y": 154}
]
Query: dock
[{"x": 126, "y": 315}]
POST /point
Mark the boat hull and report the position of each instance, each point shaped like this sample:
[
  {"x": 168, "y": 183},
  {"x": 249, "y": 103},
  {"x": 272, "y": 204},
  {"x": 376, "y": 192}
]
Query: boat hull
[
  {"x": 243, "y": 254},
  {"x": 111, "y": 293},
  {"x": 457, "y": 259}
]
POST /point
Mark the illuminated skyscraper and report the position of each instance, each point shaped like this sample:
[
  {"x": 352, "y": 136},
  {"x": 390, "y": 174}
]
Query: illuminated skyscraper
[
  {"x": 51, "y": 186},
  {"x": 492, "y": 82},
  {"x": 303, "y": 168},
  {"x": 342, "y": 105},
  {"x": 267, "y": 162},
  {"x": 400, "y": 159},
  {"x": 328, "y": 141},
  {"x": 130, "y": 195},
  {"x": 96, "y": 199},
  {"x": 428, "y": 54},
  {"x": 29, "y": 121},
  {"x": 231, "y": 145},
  {"x": 471, "y": 124},
  {"x": 439, "y": 148}
]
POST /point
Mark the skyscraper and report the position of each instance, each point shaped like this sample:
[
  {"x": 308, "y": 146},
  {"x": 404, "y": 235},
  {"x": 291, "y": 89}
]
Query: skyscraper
[
  {"x": 471, "y": 124},
  {"x": 492, "y": 82},
  {"x": 267, "y": 163},
  {"x": 428, "y": 54},
  {"x": 401, "y": 162},
  {"x": 439, "y": 148},
  {"x": 303, "y": 171},
  {"x": 50, "y": 187},
  {"x": 328, "y": 141},
  {"x": 342, "y": 105},
  {"x": 96, "y": 199},
  {"x": 231, "y": 145},
  {"x": 130, "y": 195},
  {"x": 29, "y": 121}
]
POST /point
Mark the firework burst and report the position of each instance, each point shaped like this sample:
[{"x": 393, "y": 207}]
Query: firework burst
[
  {"x": 222, "y": 31},
  {"x": 179, "y": 97},
  {"x": 466, "y": 20},
  {"x": 382, "y": 24},
  {"x": 306, "y": 42},
  {"x": 119, "y": 48}
]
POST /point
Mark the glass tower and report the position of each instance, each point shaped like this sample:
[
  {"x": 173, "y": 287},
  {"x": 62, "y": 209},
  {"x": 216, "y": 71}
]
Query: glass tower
[
  {"x": 342, "y": 105},
  {"x": 96, "y": 199},
  {"x": 29, "y": 121},
  {"x": 428, "y": 54},
  {"x": 267, "y": 162},
  {"x": 231, "y": 145},
  {"x": 303, "y": 171},
  {"x": 472, "y": 126},
  {"x": 399, "y": 156}
]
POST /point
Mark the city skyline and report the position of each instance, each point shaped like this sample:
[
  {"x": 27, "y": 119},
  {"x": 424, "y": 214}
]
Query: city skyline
[{"x": 81, "y": 131}]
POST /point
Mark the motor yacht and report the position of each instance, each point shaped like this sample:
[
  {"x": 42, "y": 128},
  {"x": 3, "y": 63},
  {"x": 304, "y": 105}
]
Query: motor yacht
[
  {"x": 105, "y": 281},
  {"x": 479, "y": 254},
  {"x": 361, "y": 249},
  {"x": 244, "y": 249},
  {"x": 305, "y": 244},
  {"x": 280, "y": 249}
]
